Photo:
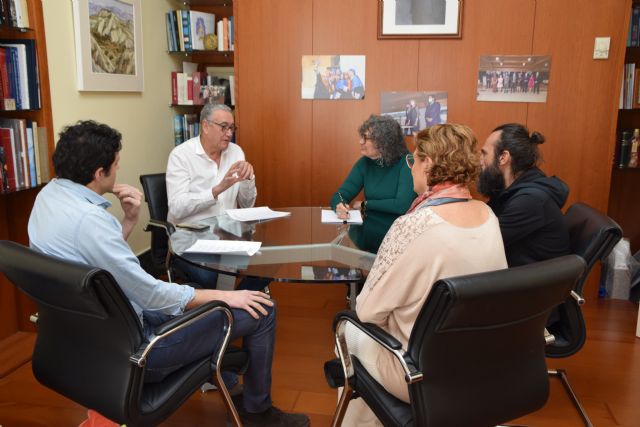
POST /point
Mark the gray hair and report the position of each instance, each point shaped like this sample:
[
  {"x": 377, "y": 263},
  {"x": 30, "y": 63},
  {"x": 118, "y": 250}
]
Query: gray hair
[
  {"x": 209, "y": 109},
  {"x": 387, "y": 136}
]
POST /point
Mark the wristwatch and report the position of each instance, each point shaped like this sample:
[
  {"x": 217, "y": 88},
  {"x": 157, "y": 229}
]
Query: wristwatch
[{"x": 363, "y": 208}]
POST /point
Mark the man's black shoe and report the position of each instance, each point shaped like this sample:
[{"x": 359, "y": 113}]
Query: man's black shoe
[{"x": 272, "y": 417}]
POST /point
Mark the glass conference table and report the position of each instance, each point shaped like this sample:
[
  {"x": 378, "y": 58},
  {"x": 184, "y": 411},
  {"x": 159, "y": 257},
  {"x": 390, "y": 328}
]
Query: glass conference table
[{"x": 296, "y": 248}]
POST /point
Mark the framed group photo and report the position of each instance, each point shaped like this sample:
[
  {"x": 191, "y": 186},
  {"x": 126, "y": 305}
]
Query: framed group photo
[{"x": 415, "y": 19}]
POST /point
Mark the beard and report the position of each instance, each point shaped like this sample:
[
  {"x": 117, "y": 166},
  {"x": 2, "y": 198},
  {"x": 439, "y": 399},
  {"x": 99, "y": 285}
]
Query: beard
[{"x": 491, "y": 182}]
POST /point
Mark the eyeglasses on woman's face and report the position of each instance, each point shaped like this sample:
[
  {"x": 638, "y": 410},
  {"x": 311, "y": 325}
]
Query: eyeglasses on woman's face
[
  {"x": 410, "y": 160},
  {"x": 365, "y": 138}
]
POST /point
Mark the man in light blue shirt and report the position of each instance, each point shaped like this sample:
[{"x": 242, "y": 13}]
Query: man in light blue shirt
[{"x": 69, "y": 220}]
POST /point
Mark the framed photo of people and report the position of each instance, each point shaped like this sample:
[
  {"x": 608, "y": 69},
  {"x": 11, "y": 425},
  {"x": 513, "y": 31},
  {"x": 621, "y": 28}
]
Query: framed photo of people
[{"x": 419, "y": 19}]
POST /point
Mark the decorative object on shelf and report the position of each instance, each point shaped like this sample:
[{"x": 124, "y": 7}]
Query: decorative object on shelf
[
  {"x": 108, "y": 38},
  {"x": 419, "y": 19},
  {"x": 513, "y": 78},
  {"x": 633, "y": 157},
  {"x": 211, "y": 42},
  {"x": 333, "y": 76}
]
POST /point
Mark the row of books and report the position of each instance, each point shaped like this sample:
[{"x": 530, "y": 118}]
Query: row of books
[
  {"x": 14, "y": 13},
  {"x": 189, "y": 30},
  {"x": 629, "y": 90},
  {"x": 199, "y": 88},
  {"x": 185, "y": 126},
  {"x": 633, "y": 35},
  {"x": 24, "y": 154},
  {"x": 19, "y": 75}
]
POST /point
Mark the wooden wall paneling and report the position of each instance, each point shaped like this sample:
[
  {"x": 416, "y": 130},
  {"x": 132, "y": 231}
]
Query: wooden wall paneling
[
  {"x": 498, "y": 27},
  {"x": 578, "y": 119},
  {"x": 390, "y": 65},
  {"x": 275, "y": 123}
]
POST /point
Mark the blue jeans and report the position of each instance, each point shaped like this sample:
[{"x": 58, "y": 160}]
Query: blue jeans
[
  {"x": 207, "y": 279},
  {"x": 204, "y": 337}
]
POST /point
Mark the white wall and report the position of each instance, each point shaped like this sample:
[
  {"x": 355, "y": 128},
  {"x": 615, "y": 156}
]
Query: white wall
[{"x": 143, "y": 118}]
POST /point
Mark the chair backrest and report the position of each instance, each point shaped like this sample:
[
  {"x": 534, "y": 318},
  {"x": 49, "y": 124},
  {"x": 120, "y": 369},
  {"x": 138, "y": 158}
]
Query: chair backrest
[
  {"x": 593, "y": 236},
  {"x": 87, "y": 330},
  {"x": 155, "y": 193},
  {"x": 479, "y": 340}
]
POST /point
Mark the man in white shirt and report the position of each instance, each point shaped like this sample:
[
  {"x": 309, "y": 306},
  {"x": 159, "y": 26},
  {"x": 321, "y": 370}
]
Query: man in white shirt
[{"x": 207, "y": 175}]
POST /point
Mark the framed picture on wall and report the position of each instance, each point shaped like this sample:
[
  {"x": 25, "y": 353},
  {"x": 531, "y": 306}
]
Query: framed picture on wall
[
  {"x": 108, "y": 39},
  {"x": 419, "y": 19}
]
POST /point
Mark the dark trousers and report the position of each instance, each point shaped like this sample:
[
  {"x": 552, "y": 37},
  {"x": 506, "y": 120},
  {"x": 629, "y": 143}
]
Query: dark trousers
[
  {"x": 204, "y": 337},
  {"x": 207, "y": 279}
]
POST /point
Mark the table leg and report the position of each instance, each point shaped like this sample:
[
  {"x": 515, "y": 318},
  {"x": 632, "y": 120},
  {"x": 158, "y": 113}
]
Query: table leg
[{"x": 353, "y": 293}]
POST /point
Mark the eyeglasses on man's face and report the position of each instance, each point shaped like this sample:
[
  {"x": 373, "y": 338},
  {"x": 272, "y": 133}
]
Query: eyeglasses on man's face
[
  {"x": 224, "y": 127},
  {"x": 410, "y": 160}
]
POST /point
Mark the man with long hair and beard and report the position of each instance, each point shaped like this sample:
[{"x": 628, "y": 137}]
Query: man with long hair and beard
[{"x": 527, "y": 203}]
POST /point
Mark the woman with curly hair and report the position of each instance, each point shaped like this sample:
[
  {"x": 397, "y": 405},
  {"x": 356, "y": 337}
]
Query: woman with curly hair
[
  {"x": 382, "y": 173},
  {"x": 445, "y": 233}
]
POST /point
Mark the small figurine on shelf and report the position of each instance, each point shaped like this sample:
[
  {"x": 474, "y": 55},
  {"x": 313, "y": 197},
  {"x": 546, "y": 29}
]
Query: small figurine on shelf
[{"x": 633, "y": 158}]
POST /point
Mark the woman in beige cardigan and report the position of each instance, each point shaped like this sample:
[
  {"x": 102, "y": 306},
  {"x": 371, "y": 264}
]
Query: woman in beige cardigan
[{"x": 445, "y": 233}]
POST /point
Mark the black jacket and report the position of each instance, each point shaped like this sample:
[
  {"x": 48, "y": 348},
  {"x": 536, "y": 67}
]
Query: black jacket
[{"x": 532, "y": 224}]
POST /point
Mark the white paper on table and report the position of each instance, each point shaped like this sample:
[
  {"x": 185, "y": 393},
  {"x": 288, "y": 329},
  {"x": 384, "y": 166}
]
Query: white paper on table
[
  {"x": 330, "y": 217},
  {"x": 255, "y": 214},
  {"x": 235, "y": 247}
]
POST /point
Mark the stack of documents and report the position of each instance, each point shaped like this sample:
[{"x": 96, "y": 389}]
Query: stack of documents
[
  {"x": 255, "y": 214},
  {"x": 231, "y": 247},
  {"x": 330, "y": 217}
]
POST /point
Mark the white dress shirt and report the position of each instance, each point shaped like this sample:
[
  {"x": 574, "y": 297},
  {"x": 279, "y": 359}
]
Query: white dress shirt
[{"x": 191, "y": 174}]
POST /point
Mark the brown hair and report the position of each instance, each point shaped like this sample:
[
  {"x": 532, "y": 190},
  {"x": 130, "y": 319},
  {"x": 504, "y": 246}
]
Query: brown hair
[{"x": 452, "y": 148}]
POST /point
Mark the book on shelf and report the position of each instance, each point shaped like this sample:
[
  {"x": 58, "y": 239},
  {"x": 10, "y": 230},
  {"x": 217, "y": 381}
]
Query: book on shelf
[
  {"x": 633, "y": 35},
  {"x": 20, "y": 74},
  {"x": 14, "y": 13},
  {"x": 26, "y": 153},
  {"x": 9, "y": 167}
]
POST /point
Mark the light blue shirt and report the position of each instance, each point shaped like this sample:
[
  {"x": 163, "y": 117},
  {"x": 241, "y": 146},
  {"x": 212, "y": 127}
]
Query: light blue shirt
[{"x": 70, "y": 221}]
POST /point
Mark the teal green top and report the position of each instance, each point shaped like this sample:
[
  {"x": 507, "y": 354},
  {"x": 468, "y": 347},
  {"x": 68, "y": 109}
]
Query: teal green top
[{"x": 388, "y": 191}]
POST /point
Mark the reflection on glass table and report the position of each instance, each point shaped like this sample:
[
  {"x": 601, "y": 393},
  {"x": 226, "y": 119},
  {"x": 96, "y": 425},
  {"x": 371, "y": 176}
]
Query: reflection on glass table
[{"x": 290, "y": 245}]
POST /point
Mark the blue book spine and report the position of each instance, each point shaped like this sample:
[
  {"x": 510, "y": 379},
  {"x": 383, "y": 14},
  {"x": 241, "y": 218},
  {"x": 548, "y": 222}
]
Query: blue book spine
[
  {"x": 177, "y": 129},
  {"x": 186, "y": 31}
]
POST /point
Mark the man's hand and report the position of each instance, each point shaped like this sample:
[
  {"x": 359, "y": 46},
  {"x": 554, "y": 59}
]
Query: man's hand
[
  {"x": 239, "y": 171},
  {"x": 130, "y": 199},
  {"x": 250, "y": 301}
]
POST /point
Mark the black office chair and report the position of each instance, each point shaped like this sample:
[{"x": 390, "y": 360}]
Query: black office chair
[
  {"x": 476, "y": 353},
  {"x": 90, "y": 345},
  {"x": 593, "y": 236},
  {"x": 155, "y": 193}
]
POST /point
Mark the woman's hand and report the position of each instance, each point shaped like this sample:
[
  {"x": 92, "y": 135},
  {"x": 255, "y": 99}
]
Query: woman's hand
[{"x": 342, "y": 211}]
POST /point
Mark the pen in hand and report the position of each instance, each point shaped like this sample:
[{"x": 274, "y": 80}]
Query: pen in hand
[{"x": 343, "y": 215}]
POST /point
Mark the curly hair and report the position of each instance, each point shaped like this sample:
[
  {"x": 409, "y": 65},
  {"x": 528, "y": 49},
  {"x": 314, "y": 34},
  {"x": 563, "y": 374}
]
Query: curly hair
[
  {"x": 84, "y": 148},
  {"x": 387, "y": 137},
  {"x": 452, "y": 148}
]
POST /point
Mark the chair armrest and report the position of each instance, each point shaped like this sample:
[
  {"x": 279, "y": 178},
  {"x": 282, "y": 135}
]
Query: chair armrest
[
  {"x": 179, "y": 322},
  {"x": 382, "y": 337},
  {"x": 374, "y": 331},
  {"x": 164, "y": 225}
]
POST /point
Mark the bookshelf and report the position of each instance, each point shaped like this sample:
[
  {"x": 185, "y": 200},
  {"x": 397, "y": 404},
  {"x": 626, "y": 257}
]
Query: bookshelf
[
  {"x": 15, "y": 206},
  {"x": 624, "y": 205},
  {"x": 186, "y": 115}
]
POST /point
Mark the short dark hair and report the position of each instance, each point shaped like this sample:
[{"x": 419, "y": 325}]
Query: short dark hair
[
  {"x": 83, "y": 148},
  {"x": 522, "y": 147},
  {"x": 387, "y": 137}
]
